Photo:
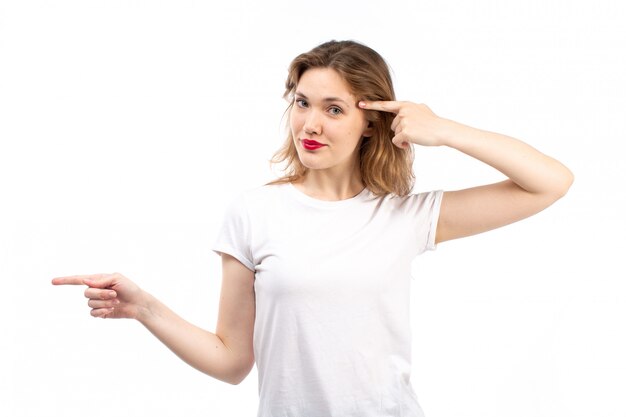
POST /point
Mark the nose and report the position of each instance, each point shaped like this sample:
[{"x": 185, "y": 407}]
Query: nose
[{"x": 312, "y": 123}]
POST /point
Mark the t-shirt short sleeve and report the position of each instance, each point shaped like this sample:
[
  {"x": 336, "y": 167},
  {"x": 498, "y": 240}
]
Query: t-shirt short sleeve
[
  {"x": 426, "y": 207},
  {"x": 234, "y": 235}
]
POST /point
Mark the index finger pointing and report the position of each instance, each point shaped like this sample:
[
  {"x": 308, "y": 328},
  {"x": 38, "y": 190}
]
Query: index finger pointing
[
  {"x": 388, "y": 106},
  {"x": 71, "y": 280}
]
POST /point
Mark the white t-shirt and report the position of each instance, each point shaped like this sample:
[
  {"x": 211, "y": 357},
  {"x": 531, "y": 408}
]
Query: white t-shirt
[{"x": 332, "y": 335}]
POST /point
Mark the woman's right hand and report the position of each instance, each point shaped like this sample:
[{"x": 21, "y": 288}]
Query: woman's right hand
[{"x": 110, "y": 295}]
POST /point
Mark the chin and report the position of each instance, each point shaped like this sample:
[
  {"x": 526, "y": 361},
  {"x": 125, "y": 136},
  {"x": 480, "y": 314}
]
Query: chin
[{"x": 312, "y": 164}]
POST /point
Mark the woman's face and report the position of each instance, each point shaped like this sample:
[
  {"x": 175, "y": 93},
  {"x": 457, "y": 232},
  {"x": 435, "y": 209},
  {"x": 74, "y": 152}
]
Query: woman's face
[{"x": 325, "y": 111}]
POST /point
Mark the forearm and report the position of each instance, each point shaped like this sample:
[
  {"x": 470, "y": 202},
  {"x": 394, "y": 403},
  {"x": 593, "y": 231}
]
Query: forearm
[
  {"x": 200, "y": 348},
  {"x": 527, "y": 167}
]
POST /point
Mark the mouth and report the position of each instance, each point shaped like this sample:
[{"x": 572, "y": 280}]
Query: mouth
[{"x": 311, "y": 144}]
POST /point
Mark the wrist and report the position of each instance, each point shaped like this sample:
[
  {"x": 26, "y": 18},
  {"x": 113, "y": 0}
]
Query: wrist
[
  {"x": 145, "y": 307},
  {"x": 454, "y": 134}
]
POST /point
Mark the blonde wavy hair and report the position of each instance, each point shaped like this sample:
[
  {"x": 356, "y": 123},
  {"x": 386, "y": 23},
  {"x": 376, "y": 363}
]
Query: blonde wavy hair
[{"x": 384, "y": 167}]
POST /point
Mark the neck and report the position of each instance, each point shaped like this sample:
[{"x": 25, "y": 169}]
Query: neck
[{"x": 323, "y": 185}]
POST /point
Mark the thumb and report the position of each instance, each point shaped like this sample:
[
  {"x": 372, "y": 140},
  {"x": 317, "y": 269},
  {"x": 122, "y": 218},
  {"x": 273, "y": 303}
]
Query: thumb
[{"x": 401, "y": 141}]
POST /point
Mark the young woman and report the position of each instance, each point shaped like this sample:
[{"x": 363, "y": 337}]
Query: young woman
[{"x": 317, "y": 264}]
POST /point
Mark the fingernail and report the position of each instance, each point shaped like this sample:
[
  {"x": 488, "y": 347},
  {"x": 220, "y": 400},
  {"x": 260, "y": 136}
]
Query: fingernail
[{"x": 361, "y": 104}]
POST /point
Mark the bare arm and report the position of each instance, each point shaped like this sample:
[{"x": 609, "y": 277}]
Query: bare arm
[
  {"x": 225, "y": 355},
  {"x": 535, "y": 180},
  {"x": 200, "y": 348}
]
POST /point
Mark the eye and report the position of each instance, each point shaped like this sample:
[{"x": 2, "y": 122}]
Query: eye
[
  {"x": 301, "y": 102},
  {"x": 335, "y": 111}
]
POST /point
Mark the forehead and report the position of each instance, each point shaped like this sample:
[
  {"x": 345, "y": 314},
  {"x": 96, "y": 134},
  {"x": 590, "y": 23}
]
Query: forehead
[{"x": 324, "y": 82}]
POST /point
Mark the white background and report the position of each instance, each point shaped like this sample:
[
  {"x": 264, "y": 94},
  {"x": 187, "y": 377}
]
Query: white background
[{"x": 126, "y": 127}]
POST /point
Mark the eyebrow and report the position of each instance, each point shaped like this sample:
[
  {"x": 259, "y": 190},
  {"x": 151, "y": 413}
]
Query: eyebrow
[{"x": 326, "y": 99}]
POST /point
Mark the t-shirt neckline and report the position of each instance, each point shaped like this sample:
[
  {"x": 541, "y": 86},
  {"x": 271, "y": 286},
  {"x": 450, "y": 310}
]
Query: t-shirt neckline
[{"x": 314, "y": 202}]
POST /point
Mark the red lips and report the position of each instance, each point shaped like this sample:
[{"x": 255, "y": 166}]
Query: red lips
[
  {"x": 311, "y": 145},
  {"x": 311, "y": 142}
]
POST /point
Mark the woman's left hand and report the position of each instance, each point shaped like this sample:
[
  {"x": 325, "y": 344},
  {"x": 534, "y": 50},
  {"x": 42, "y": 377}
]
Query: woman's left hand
[{"x": 414, "y": 123}]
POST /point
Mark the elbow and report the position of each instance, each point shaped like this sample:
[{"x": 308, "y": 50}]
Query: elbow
[
  {"x": 230, "y": 372},
  {"x": 558, "y": 185},
  {"x": 233, "y": 378},
  {"x": 240, "y": 372},
  {"x": 556, "y": 188},
  {"x": 238, "y": 378},
  {"x": 565, "y": 183},
  {"x": 237, "y": 381}
]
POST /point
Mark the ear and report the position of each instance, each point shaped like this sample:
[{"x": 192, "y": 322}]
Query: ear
[{"x": 369, "y": 130}]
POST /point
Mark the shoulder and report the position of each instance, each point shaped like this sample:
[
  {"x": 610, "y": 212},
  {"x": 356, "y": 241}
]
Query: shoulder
[
  {"x": 257, "y": 198},
  {"x": 413, "y": 202},
  {"x": 261, "y": 193}
]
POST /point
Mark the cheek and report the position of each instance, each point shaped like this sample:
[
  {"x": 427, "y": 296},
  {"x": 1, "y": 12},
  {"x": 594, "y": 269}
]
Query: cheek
[{"x": 294, "y": 121}]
